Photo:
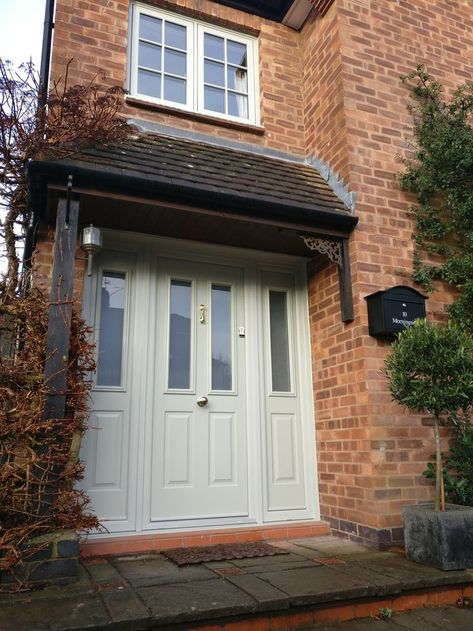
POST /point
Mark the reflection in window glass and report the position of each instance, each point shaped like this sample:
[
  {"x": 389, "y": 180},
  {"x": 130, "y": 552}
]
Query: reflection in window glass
[
  {"x": 174, "y": 90},
  {"x": 214, "y": 47},
  {"x": 214, "y": 100},
  {"x": 110, "y": 345},
  {"x": 149, "y": 56},
  {"x": 180, "y": 335},
  {"x": 175, "y": 35},
  {"x": 150, "y": 28},
  {"x": 149, "y": 83},
  {"x": 279, "y": 336},
  {"x": 214, "y": 72},
  {"x": 175, "y": 63},
  {"x": 221, "y": 319},
  {"x": 236, "y": 53}
]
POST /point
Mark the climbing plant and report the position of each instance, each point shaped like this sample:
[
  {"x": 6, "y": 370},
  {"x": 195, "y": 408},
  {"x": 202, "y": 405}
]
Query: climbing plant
[{"x": 440, "y": 172}]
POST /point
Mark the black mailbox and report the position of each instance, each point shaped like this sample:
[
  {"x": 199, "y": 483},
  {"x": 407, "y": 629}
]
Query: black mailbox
[{"x": 392, "y": 310}]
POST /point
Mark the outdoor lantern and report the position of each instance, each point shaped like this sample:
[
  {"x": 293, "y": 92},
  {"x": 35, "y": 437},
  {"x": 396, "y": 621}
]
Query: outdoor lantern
[{"x": 91, "y": 243}]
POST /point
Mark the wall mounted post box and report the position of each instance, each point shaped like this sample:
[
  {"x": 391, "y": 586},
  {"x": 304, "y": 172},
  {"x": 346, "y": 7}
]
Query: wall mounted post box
[{"x": 392, "y": 310}]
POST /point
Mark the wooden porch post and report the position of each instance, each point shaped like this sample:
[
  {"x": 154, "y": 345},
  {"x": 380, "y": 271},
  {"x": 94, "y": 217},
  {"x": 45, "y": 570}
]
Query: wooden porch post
[
  {"x": 344, "y": 284},
  {"x": 60, "y": 308}
]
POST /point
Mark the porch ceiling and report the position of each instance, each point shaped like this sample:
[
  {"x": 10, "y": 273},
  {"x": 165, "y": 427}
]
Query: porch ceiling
[{"x": 204, "y": 178}]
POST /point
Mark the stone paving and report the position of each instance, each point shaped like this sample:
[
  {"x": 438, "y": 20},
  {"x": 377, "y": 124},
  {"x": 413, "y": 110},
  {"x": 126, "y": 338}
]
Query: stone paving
[
  {"x": 443, "y": 618},
  {"x": 149, "y": 591}
]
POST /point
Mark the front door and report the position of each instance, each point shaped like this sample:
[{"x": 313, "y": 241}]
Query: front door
[
  {"x": 199, "y": 463},
  {"x": 201, "y": 405}
]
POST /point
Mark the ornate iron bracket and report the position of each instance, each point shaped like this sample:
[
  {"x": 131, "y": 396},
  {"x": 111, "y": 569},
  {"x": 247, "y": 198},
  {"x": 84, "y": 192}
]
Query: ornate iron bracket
[
  {"x": 337, "y": 252},
  {"x": 332, "y": 249}
]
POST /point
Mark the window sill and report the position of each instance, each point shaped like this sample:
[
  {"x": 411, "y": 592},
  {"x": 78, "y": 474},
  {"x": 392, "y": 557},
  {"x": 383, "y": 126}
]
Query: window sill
[{"x": 194, "y": 116}]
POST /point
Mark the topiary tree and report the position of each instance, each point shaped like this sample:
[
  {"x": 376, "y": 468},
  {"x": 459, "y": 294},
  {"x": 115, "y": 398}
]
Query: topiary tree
[{"x": 430, "y": 369}]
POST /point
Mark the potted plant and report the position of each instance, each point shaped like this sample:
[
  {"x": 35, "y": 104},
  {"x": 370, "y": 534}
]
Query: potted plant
[{"x": 430, "y": 370}]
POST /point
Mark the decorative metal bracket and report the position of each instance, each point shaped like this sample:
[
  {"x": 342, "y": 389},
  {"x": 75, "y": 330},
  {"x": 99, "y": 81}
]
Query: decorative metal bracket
[
  {"x": 337, "y": 252},
  {"x": 332, "y": 249}
]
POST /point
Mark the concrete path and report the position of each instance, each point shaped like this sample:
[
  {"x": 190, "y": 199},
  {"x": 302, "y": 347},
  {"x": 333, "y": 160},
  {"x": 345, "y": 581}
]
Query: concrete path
[
  {"x": 149, "y": 591},
  {"x": 443, "y": 618}
]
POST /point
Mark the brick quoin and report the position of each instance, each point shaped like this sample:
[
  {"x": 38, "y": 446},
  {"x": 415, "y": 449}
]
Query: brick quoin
[{"x": 330, "y": 92}]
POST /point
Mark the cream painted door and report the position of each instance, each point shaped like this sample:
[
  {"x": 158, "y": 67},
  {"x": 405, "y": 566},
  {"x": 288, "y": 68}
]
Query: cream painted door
[
  {"x": 199, "y": 466},
  {"x": 110, "y": 473}
]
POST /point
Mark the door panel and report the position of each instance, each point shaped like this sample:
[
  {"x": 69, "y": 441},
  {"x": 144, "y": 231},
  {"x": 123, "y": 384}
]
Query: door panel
[
  {"x": 285, "y": 457},
  {"x": 106, "y": 444},
  {"x": 205, "y": 446}
]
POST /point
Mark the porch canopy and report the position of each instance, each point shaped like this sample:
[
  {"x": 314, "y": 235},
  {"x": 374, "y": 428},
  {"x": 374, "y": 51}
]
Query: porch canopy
[{"x": 177, "y": 187}]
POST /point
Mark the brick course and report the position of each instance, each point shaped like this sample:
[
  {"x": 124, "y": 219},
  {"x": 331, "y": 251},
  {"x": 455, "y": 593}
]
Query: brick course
[{"x": 331, "y": 92}]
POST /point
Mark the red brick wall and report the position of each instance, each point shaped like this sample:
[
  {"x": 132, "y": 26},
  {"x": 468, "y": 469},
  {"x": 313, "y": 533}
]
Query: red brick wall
[
  {"x": 95, "y": 35},
  {"x": 371, "y": 453},
  {"x": 330, "y": 92}
]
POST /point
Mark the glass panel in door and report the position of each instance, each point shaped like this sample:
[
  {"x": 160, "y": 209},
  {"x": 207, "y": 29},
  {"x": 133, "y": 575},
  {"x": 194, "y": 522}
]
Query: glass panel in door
[
  {"x": 279, "y": 334},
  {"x": 221, "y": 318},
  {"x": 111, "y": 325},
  {"x": 180, "y": 320}
]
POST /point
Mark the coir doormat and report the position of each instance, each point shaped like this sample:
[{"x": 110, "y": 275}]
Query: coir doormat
[{"x": 221, "y": 552}]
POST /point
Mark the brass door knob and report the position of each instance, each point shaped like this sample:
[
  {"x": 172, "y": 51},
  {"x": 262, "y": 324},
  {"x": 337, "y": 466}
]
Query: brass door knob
[{"x": 201, "y": 401}]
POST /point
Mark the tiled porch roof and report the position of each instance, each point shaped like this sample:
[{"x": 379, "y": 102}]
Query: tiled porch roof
[{"x": 201, "y": 173}]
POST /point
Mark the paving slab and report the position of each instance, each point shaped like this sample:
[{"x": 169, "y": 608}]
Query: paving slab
[
  {"x": 332, "y": 546},
  {"x": 159, "y": 571},
  {"x": 268, "y": 597},
  {"x": 200, "y": 600},
  {"x": 103, "y": 573},
  {"x": 307, "y": 586},
  {"x": 126, "y": 608},
  {"x": 55, "y": 615},
  {"x": 269, "y": 564},
  {"x": 411, "y": 575}
]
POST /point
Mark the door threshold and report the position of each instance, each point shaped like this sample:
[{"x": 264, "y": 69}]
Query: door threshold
[{"x": 147, "y": 542}]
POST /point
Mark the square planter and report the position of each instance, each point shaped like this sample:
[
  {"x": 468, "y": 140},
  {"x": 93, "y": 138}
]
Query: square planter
[{"x": 442, "y": 539}]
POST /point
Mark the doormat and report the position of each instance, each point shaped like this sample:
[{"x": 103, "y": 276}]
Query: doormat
[{"x": 221, "y": 552}]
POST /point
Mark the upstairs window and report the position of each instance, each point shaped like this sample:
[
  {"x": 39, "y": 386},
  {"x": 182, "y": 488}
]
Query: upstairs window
[{"x": 190, "y": 65}]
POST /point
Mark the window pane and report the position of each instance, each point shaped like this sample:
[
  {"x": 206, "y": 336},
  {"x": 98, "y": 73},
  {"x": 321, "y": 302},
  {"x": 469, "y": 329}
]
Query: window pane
[
  {"x": 214, "y": 100},
  {"x": 151, "y": 28},
  {"x": 149, "y": 83},
  {"x": 112, "y": 313},
  {"x": 280, "y": 366},
  {"x": 175, "y": 63},
  {"x": 175, "y": 90},
  {"x": 221, "y": 318},
  {"x": 214, "y": 47},
  {"x": 180, "y": 335},
  {"x": 237, "y": 79},
  {"x": 214, "y": 73},
  {"x": 237, "y": 105},
  {"x": 175, "y": 35},
  {"x": 149, "y": 56},
  {"x": 236, "y": 53}
]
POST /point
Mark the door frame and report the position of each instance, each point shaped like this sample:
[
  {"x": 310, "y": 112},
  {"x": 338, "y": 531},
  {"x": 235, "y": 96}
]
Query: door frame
[{"x": 147, "y": 249}]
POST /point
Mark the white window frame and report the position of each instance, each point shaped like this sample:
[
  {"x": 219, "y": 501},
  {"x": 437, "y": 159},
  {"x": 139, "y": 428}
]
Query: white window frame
[{"x": 195, "y": 64}]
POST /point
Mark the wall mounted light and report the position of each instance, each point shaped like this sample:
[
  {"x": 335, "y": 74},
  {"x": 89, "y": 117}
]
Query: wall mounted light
[{"x": 91, "y": 243}]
